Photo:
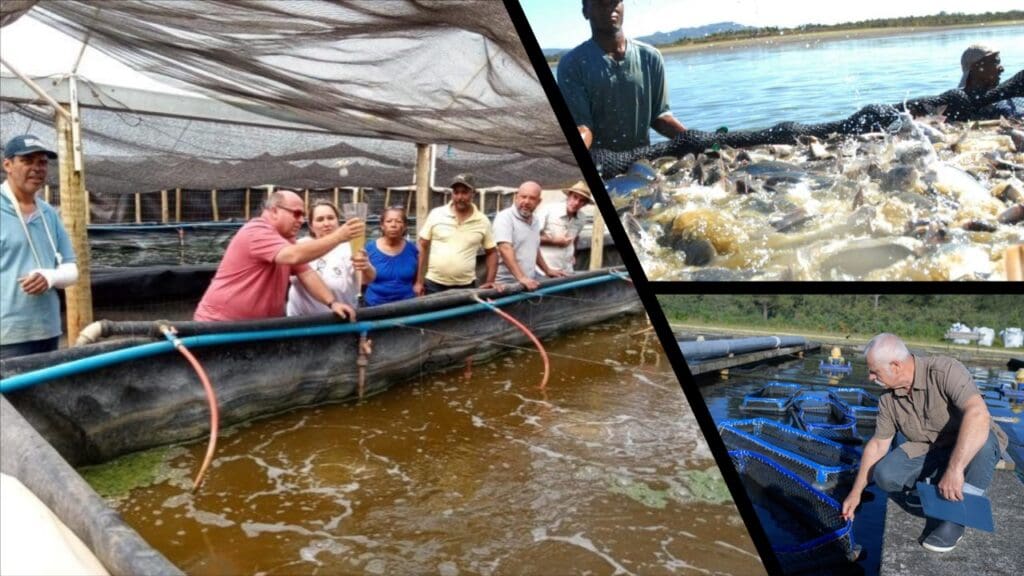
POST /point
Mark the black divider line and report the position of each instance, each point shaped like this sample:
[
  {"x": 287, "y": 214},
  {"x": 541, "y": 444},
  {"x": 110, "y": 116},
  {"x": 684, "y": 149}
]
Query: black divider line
[{"x": 645, "y": 290}]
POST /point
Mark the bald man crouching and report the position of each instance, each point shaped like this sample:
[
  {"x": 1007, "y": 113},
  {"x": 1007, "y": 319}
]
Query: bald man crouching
[
  {"x": 951, "y": 438},
  {"x": 253, "y": 277}
]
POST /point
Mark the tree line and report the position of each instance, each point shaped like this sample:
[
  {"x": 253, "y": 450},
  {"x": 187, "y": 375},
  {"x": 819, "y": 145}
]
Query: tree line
[{"x": 923, "y": 317}]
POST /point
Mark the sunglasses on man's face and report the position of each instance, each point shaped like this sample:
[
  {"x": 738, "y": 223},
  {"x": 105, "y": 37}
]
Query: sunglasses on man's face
[{"x": 298, "y": 213}]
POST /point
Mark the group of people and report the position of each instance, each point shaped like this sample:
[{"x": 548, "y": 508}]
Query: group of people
[
  {"x": 267, "y": 272},
  {"x": 616, "y": 91}
]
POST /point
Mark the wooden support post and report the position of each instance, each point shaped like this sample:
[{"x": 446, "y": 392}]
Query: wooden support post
[
  {"x": 597, "y": 241},
  {"x": 247, "y": 203},
  {"x": 337, "y": 197},
  {"x": 138, "y": 208},
  {"x": 483, "y": 201},
  {"x": 46, "y": 194},
  {"x": 177, "y": 204},
  {"x": 305, "y": 200},
  {"x": 74, "y": 210},
  {"x": 424, "y": 171},
  {"x": 213, "y": 203},
  {"x": 88, "y": 209},
  {"x": 408, "y": 202},
  {"x": 164, "y": 212},
  {"x": 387, "y": 198}
]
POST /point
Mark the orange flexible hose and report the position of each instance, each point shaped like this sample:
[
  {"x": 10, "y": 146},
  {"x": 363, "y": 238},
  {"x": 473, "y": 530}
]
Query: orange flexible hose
[
  {"x": 211, "y": 400},
  {"x": 522, "y": 327}
]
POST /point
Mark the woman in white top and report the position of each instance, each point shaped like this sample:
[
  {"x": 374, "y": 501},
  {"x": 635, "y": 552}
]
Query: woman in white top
[{"x": 337, "y": 267}]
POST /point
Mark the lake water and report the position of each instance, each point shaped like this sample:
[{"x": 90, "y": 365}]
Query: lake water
[
  {"x": 759, "y": 86},
  {"x": 604, "y": 472}
]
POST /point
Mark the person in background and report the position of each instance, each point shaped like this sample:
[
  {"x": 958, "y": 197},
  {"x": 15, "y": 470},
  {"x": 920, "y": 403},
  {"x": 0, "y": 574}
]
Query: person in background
[
  {"x": 337, "y": 268},
  {"x": 950, "y": 436},
  {"x": 37, "y": 257},
  {"x": 449, "y": 240},
  {"x": 614, "y": 86},
  {"x": 981, "y": 70},
  {"x": 252, "y": 279},
  {"x": 517, "y": 234},
  {"x": 395, "y": 259},
  {"x": 560, "y": 227}
]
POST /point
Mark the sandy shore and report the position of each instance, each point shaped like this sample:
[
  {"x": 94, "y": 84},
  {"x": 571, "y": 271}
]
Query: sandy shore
[{"x": 814, "y": 37}]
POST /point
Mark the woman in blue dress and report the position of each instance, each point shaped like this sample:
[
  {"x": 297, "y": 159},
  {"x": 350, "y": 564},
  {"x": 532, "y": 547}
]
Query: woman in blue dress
[{"x": 394, "y": 258}]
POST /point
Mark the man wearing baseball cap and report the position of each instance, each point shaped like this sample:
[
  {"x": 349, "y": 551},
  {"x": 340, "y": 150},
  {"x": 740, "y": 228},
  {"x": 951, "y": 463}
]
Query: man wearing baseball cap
[
  {"x": 449, "y": 240},
  {"x": 37, "y": 255},
  {"x": 561, "y": 226}
]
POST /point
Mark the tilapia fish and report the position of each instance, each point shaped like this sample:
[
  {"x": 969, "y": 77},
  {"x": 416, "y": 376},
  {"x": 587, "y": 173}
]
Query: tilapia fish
[{"x": 922, "y": 200}]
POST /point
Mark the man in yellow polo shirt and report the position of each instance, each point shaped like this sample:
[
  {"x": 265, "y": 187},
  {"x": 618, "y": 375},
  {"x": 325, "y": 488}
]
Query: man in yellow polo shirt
[{"x": 449, "y": 240}]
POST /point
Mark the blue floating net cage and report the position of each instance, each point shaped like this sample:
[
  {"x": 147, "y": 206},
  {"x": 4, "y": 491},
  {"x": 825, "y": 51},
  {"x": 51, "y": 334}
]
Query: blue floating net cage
[
  {"x": 805, "y": 526},
  {"x": 826, "y": 416},
  {"x": 814, "y": 459},
  {"x": 773, "y": 397},
  {"x": 861, "y": 403}
]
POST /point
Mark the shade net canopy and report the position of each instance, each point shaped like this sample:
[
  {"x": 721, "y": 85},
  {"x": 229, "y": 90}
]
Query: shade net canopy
[{"x": 367, "y": 78}]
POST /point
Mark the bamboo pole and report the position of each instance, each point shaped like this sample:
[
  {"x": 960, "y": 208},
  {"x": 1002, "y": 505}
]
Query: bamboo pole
[
  {"x": 74, "y": 210},
  {"x": 597, "y": 241},
  {"x": 424, "y": 172},
  {"x": 213, "y": 203},
  {"x": 305, "y": 200},
  {"x": 336, "y": 195},
  {"x": 46, "y": 193},
  {"x": 177, "y": 204},
  {"x": 387, "y": 198},
  {"x": 164, "y": 211},
  {"x": 88, "y": 208},
  {"x": 138, "y": 208},
  {"x": 247, "y": 203}
]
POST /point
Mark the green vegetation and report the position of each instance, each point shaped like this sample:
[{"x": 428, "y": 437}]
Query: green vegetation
[{"x": 924, "y": 317}]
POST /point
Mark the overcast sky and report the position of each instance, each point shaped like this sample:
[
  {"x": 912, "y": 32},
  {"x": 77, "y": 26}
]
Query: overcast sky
[{"x": 560, "y": 24}]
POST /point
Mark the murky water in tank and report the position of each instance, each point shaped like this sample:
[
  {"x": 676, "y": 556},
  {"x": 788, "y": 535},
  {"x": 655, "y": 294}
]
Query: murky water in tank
[{"x": 604, "y": 472}]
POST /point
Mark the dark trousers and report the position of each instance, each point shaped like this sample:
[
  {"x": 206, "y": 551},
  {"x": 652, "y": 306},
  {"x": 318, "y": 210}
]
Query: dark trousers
[
  {"x": 433, "y": 287},
  {"x": 30, "y": 347},
  {"x": 898, "y": 472}
]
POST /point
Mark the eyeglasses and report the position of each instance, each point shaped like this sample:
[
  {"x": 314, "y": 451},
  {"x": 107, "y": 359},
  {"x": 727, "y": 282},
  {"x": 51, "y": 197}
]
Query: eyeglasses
[{"x": 298, "y": 213}]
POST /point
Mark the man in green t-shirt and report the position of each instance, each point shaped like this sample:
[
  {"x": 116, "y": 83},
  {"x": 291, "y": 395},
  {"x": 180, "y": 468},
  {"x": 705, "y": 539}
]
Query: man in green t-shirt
[{"x": 614, "y": 86}]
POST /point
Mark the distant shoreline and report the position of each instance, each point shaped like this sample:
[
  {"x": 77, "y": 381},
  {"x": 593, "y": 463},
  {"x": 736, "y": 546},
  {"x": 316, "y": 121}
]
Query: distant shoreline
[
  {"x": 829, "y": 35},
  {"x": 860, "y": 33}
]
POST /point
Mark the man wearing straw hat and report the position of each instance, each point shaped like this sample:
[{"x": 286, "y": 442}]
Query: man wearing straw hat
[
  {"x": 560, "y": 227},
  {"x": 37, "y": 255}
]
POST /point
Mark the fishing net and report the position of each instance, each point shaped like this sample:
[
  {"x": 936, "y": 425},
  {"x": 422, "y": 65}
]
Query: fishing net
[
  {"x": 825, "y": 416},
  {"x": 775, "y": 397},
  {"x": 863, "y": 405},
  {"x": 816, "y": 460},
  {"x": 805, "y": 525},
  {"x": 955, "y": 104}
]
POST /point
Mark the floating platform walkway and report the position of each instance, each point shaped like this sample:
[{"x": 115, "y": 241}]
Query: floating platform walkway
[{"x": 978, "y": 553}]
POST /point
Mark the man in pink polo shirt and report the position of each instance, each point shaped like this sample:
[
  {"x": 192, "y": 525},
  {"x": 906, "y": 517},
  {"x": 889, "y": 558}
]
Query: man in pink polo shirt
[{"x": 252, "y": 279}]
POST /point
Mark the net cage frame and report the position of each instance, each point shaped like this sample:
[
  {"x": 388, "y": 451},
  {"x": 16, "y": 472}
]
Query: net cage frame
[
  {"x": 772, "y": 397},
  {"x": 863, "y": 404},
  {"x": 835, "y": 545},
  {"x": 845, "y": 429},
  {"x": 826, "y": 471}
]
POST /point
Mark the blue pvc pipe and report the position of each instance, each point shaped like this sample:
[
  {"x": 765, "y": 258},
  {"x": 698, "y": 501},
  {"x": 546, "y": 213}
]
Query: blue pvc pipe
[{"x": 81, "y": 365}]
